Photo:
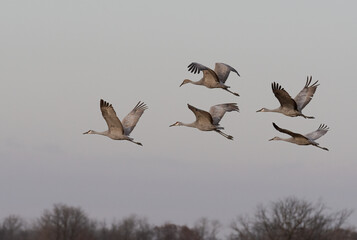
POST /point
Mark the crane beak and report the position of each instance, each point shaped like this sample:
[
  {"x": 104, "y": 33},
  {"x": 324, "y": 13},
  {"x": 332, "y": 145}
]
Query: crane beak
[
  {"x": 271, "y": 139},
  {"x": 86, "y": 132},
  {"x": 181, "y": 84},
  {"x": 175, "y": 124}
]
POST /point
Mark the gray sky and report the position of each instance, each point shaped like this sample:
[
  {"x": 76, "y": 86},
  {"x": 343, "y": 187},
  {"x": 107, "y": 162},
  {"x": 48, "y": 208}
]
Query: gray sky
[{"x": 58, "y": 58}]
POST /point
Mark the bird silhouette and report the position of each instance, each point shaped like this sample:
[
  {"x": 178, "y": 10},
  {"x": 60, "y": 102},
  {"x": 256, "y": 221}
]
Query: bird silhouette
[
  {"x": 211, "y": 79},
  {"x": 292, "y": 107},
  {"x": 299, "y": 139},
  {"x": 209, "y": 121},
  {"x": 119, "y": 130}
]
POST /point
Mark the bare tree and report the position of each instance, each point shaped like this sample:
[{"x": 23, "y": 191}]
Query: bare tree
[
  {"x": 131, "y": 228},
  {"x": 186, "y": 233},
  {"x": 170, "y": 231},
  {"x": 291, "y": 219},
  {"x": 207, "y": 229},
  {"x": 287, "y": 219},
  {"x": 64, "y": 223},
  {"x": 12, "y": 228}
]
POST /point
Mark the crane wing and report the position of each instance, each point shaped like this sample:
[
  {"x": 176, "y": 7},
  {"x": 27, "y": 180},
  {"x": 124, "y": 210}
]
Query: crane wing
[
  {"x": 322, "y": 130},
  {"x": 196, "y": 67},
  {"x": 209, "y": 76},
  {"x": 294, "y": 135},
  {"x": 217, "y": 111},
  {"x": 283, "y": 96},
  {"x": 306, "y": 94},
  {"x": 201, "y": 115},
  {"x": 109, "y": 115},
  {"x": 222, "y": 70},
  {"x": 130, "y": 120}
]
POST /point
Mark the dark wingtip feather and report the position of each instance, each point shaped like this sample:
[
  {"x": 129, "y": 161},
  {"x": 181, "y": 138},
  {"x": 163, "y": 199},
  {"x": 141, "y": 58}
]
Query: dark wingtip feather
[
  {"x": 141, "y": 105},
  {"x": 235, "y": 71},
  {"x": 308, "y": 81},
  {"x": 276, "y": 86},
  {"x": 323, "y": 127},
  {"x": 193, "y": 68},
  {"x": 104, "y": 103}
]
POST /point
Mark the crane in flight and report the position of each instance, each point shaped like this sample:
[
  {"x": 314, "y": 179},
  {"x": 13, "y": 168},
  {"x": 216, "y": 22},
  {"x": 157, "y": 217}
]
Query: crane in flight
[
  {"x": 211, "y": 79},
  {"x": 209, "y": 121},
  {"x": 299, "y": 139},
  {"x": 118, "y": 130},
  {"x": 289, "y": 106}
]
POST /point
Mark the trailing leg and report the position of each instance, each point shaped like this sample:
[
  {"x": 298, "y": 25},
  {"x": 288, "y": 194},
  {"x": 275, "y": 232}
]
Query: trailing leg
[{"x": 224, "y": 135}]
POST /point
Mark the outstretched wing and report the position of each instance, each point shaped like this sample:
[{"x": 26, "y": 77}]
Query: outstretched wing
[
  {"x": 294, "y": 135},
  {"x": 283, "y": 96},
  {"x": 217, "y": 111},
  {"x": 306, "y": 94},
  {"x": 222, "y": 70},
  {"x": 201, "y": 115},
  {"x": 196, "y": 67},
  {"x": 322, "y": 130},
  {"x": 109, "y": 115},
  {"x": 130, "y": 120},
  {"x": 209, "y": 76}
]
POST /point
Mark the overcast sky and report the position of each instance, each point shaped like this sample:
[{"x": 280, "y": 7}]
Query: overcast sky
[{"x": 59, "y": 58}]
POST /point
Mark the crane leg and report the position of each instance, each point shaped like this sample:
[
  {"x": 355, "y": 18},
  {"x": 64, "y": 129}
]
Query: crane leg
[{"x": 224, "y": 135}]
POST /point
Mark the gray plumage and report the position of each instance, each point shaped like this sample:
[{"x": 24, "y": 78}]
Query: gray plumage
[
  {"x": 119, "y": 130},
  {"x": 209, "y": 121},
  {"x": 299, "y": 139},
  {"x": 223, "y": 70},
  {"x": 212, "y": 79},
  {"x": 289, "y": 106},
  {"x": 217, "y": 111}
]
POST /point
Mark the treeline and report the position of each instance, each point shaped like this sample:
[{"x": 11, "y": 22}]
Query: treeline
[{"x": 287, "y": 219}]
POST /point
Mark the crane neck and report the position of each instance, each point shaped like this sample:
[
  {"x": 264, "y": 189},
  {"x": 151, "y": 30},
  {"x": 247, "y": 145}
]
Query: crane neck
[
  {"x": 290, "y": 140},
  {"x": 199, "y": 82},
  {"x": 272, "y": 110},
  {"x": 105, "y": 133},
  {"x": 193, "y": 125}
]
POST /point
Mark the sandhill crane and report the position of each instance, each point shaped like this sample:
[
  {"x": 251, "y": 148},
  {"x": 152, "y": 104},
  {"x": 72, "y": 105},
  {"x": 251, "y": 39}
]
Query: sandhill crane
[
  {"x": 292, "y": 107},
  {"x": 211, "y": 79},
  {"x": 299, "y": 139},
  {"x": 209, "y": 121},
  {"x": 119, "y": 130}
]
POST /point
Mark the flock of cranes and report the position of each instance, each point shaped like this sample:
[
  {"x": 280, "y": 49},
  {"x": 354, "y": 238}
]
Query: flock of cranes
[{"x": 209, "y": 121}]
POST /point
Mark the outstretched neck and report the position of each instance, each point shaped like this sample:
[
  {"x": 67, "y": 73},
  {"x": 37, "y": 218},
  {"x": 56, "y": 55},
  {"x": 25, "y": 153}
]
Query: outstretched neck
[
  {"x": 199, "y": 82},
  {"x": 188, "y": 124},
  {"x": 283, "y": 139},
  {"x": 272, "y": 110},
  {"x": 105, "y": 133},
  {"x": 290, "y": 140}
]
